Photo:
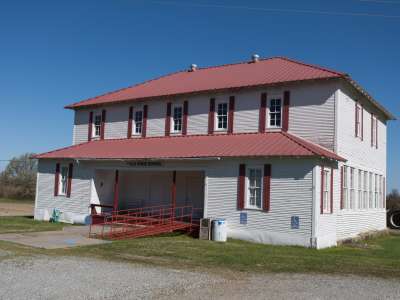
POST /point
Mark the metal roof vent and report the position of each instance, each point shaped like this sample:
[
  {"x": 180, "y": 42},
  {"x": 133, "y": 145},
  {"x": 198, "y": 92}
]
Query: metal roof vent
[
  {"x": 193, "y": 67},
  {"x": 255, "y": 58}
]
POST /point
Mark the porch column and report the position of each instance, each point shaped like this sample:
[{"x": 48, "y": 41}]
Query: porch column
[
  {"x": 115, "y": 206},
  {"x": 173, "y": 192}
]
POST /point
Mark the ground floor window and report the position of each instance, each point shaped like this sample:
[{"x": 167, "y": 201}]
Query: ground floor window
[
  {"x": 254, "y": 188},
  {"x": 63, "y": 181},
  {"x": 326, "y": 191}
]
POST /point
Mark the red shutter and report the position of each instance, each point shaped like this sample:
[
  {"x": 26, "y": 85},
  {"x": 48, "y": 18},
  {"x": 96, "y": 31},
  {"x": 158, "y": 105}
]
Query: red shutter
[
  {"x": 185, "y": 117},
  {"x": 267, "y": 187},
  {"x": 90, "y": 126},
  {"x": 231, "y": 113},
  {"x": 286, "y": 104},
  {"x": 241, "y": 186},
  {"x": 356, "y": 120},
  {"x": 130, "y": 120},
  {"x": 168, "y": 119},
  {"x": 362, "y": 123},
  {"x": 263, "y": 113},
  {"x": 69, "y": 184},
  {"x": 322, "y": 190},
  {"x": 376, "y": 133},
  {"x": 331, "y": 195},
  {"x": 144, "y": 125},
  {"x": 341, "y": 187},
  {"x": 56, "y": 179},
  {"x": 103, "y": 124},
  {"x": 211, "y": 116}
]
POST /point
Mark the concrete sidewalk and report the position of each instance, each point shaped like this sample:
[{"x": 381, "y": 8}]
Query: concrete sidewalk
[{"x": 70, "y": 236}]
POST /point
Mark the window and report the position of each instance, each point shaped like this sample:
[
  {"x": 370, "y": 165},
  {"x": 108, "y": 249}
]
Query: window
[
  {"x": 254, "y": 188},
  {"x": 63, "y": 181},
  {"x": 97, "y": 126},
  {"x": 222, "y": 116},
  {"x": 380, "y": 191},
  {"x": 345, "y": 188},
  {"x": 326, "y": 191},
  {"x": 177, "y": 119},
  {"x": 352, "y": 196},
  {"x": 275, "y": 112},
  {"x": 365, "y": 189},
  {"x": 138, "y": 122},
  {"x": 374, "y": 131},
  {"x": 358, "y": 121},
  {"x": 359, "y": 186},
  {"x": 376, "y": 191},
  {"x": 370, "y": 191}
]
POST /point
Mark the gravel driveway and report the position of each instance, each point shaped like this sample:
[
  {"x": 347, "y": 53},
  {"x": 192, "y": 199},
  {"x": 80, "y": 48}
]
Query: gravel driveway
[{"x": 82, "y": 278}]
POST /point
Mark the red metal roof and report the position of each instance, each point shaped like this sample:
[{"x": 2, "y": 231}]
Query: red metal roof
[
  {"x": 264, "y": 72},
  {"x": 270, "y": 144}
]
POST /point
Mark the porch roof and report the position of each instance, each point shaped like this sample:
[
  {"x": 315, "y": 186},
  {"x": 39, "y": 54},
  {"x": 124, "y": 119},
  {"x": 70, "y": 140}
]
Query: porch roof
[{"x": 270, "y": 144}]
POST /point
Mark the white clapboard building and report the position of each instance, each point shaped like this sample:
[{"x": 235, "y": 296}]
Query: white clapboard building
[{"x": 286, "y": 152}]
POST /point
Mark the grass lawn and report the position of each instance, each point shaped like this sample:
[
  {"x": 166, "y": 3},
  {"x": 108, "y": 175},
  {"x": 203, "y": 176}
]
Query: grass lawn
[
  {"x": 26, "y": 224},
  {"x": 379, "y": 256},
  {"x": 8, "y": 200}
]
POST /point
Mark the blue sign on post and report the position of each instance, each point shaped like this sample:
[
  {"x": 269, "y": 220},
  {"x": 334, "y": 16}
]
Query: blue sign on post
[
  {"x": 243, "y": 218},
  {"x": 294, "y": 222}
]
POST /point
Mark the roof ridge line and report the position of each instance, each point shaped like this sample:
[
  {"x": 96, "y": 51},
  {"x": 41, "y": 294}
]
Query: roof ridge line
[{"x": 312, "y": 65}]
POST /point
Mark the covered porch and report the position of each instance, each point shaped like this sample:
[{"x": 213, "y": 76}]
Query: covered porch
[{"x": 133, "y": 203}]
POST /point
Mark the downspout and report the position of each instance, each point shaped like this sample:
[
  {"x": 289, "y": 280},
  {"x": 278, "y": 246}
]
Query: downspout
[{"x": 314, "y": 215}]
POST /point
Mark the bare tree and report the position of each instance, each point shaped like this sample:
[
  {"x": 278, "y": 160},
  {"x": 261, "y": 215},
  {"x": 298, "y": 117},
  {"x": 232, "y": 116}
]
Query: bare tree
[
  {"x": 18, "y": 180},
  {"x": 393, "y": 200}
]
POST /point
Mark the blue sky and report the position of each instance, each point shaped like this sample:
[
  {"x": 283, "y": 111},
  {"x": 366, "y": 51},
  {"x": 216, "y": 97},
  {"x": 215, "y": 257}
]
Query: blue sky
[{"x": 53, "y": 53}]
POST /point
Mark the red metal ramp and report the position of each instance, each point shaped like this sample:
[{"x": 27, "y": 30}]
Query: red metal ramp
[{"x": 140, "y": 222}]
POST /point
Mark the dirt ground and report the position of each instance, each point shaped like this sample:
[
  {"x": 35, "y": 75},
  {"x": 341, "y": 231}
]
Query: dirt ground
[{"x": 16, "y": 209}]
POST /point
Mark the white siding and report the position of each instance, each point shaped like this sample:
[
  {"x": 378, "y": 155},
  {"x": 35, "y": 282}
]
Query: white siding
[
  {"x": 198, "y": 114},
  {"x": 291, "y": 195},
  {"x": 81, "y": 121},
  {"x": 157, "y": 111},
  {"x": 116, "y": 122},
  {"x": 247, "y": 107},
  {"x": 360, "y": 155},
  {"x": 312, "y": 112},
  {"x": 79, "y": 201}
]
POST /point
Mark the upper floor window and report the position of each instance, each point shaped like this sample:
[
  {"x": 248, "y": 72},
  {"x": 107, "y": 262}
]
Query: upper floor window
[
  {"x": 97, "y": 125},
  {"x": 374, "y": 131},
  {"x": 254, "y": 188},
  {"x": 359, "y": 121},
  {"x": 275, "y": 112},
  {"x": 138, "y": 122},
  {"x": 63, "y": 181},
  {"x": 177, "y": 119},
  {"x": 222, "y": 116}
]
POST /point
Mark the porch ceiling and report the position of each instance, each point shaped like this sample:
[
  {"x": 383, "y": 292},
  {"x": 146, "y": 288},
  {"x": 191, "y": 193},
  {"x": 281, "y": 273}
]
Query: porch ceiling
[{"x": 270, "y": 144}]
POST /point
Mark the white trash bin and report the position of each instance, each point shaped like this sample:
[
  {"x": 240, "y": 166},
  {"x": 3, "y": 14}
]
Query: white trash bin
[{"x": 219, "y": 230}]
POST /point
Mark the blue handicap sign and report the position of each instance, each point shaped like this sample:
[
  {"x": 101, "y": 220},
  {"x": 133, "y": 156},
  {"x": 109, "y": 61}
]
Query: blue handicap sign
[
  {"x": 243, "y": 218},
  {"x": 294, "y": 222}
]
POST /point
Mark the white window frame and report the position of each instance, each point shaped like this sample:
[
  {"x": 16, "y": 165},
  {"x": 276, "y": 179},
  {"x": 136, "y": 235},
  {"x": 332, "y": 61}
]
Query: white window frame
[
  {"x": 326, "y": 191},
  {"x": 97, "y": 116},
  {"x": 359, "y": 190},
  {"x": 374, "y": 131},
  {"x": 365, "y": 190},
  {"x": 63, "y": 181},
  {"x": 345, "y": 188},
  {"x": 380, "y": 191},
  {"x": 352, "y": 189},
  {"x": 269, "y": 104},
  {"x": 371, "y": 200},
  {"x": 135, "y": 123},
  {"x": 176, "y": 106},
  {"x": 247, "y": 203},
  {"x": 217, "y": 128},
  {"x": 376, "y": 186},
  {"x": 360, "y": 121}
]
